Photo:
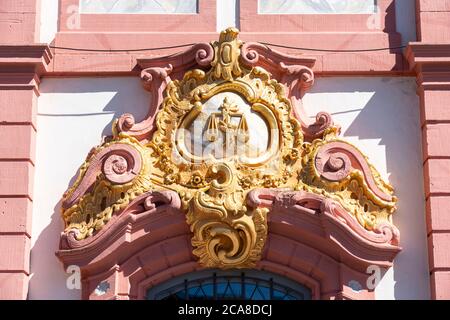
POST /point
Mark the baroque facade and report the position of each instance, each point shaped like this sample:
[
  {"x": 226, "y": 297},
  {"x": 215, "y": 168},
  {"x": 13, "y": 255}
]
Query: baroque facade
[{"x": 222, "y": 167}]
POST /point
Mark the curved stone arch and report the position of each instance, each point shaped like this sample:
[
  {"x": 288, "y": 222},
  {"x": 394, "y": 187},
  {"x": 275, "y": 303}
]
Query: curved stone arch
[
  {"x": 142, "y": 281},
  {"x": 153, "y": 265},
  {"x": 153, "y": 246}
]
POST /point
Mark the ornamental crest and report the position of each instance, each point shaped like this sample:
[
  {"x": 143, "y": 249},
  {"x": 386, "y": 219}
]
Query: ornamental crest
[{"x": 225, "y": 132}]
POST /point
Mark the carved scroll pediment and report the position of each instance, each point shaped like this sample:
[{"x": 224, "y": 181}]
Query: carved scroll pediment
[{"x": 225, "y": 119}]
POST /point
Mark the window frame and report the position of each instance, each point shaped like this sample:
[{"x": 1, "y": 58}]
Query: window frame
[{"x": 252, "y": 21}]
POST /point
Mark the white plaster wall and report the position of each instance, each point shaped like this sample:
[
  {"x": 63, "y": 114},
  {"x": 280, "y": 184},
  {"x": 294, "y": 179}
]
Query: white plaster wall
[
  {"x": 73, "y": 115},
  {"x": 379, "y": 115},
  {"x": 227, "y": 14},
  {"x": 49, "y": 20}
]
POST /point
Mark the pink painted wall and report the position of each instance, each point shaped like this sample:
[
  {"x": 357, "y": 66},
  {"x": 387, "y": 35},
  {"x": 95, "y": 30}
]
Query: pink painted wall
[{"x": 19, "y": 81}]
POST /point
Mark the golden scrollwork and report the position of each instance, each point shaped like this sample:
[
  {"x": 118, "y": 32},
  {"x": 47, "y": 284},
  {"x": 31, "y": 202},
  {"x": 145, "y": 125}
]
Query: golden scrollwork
[
  {"x": 339, "y": 170},
  {"x": 110, "y": 191},
  {"x": 243, "y": 121}
]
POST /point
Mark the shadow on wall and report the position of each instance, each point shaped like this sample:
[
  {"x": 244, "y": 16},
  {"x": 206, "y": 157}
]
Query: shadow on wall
[
  {"x": 48, "y": 279},
  {"x": 386, "y": 116},
  {"x": 395, "y": 118},
  {"x": 73, "y": 115},
  {"x": 104, "y": 97}
]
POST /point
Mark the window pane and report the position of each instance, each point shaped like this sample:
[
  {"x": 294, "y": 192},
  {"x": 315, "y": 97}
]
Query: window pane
[
  {"x": 316, "y": 6},
  {"x": 138, "y": 6}
]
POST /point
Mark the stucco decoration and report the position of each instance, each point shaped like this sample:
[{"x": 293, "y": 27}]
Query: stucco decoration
[
  {"x": 226, "y": 139},
  {"x": 316, "y": 7}
]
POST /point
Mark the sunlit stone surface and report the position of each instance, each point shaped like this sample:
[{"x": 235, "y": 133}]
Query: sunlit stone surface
[
  {"x": 198, "y": 144},
  {"x": 316, "y": 6},
  {"x": 138, "y": 6}
]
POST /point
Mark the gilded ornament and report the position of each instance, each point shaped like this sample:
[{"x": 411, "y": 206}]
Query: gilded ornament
[{"x": 216, "y": 136}]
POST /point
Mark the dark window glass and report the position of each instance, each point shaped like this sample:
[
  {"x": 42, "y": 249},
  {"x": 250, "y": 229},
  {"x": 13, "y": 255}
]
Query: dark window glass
[{"x": 230, "y": 285}]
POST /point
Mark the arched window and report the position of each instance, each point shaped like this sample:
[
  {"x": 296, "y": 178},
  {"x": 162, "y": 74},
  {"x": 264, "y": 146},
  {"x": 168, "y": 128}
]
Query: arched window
[{"x": 229, "y": 285}]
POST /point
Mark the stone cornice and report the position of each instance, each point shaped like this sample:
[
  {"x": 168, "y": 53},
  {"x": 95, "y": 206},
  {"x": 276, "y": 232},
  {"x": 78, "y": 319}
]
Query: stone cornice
[
  {"x": 21, "y": 66},
  {"x": 25, "y": 58},
  {"x": 431, "y": 62},
  {"x": 418, "y": 54}
]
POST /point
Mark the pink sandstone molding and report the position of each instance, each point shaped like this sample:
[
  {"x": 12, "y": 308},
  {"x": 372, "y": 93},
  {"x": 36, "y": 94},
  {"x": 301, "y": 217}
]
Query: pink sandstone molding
[
  {"x": 125, "y": 63},
  {"x": 20, "y": 18},
  {"x": 149, "y": 243},
  {"x": 150, "y": 203},
  {"x": 155, "y": 81},
  {"x": 431, "y": 15},
  {"x": 22, "y": 63},
  {"x": 98, "y": 31},
  {"x": 430, "y": 60},
  {"x": 327, "y": 210}
]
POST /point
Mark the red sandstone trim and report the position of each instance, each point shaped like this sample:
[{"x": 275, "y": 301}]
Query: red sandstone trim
[
  {"x": 318, "y": 250},
  {"x": 430, "y": 60},
  {"x": 21, "y": 64},
  {"x": 96, "y": 31}
]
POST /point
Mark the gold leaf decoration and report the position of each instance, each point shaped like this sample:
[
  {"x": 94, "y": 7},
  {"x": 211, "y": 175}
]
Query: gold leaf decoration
[{"x": 235, "y": 105}]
